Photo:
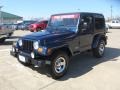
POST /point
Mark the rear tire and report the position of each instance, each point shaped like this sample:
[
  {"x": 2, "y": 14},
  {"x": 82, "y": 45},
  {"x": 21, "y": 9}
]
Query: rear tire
[
  {"x": 59, "y": 65},
  {"x": 100, "y": 49}
]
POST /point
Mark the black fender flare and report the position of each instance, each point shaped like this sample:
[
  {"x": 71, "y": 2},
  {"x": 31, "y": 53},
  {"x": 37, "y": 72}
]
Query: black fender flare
[
  {"x": 96, "y": 40},
  {"x": 63, "y": 47}
]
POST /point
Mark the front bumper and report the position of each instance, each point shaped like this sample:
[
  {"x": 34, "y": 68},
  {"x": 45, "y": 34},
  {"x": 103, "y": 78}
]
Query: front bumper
[
  {"x": 3, "y": 36},
  {"x": 28, "y": 59},
  {"x": 36, "y": 62}
]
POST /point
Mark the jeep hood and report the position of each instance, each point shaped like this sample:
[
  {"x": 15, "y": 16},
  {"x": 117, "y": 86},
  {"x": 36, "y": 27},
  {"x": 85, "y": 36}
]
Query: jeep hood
[{"x": 50, "y": 35}]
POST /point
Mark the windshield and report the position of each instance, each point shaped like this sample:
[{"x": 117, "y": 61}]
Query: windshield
[{"x": 69, "y": 21}]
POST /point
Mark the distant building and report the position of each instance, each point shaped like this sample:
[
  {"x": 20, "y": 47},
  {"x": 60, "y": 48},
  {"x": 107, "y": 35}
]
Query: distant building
[{"x": 7, "y": 18}]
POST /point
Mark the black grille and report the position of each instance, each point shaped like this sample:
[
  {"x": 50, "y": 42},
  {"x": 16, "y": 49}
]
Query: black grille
[{"x": 27, "y": 45}]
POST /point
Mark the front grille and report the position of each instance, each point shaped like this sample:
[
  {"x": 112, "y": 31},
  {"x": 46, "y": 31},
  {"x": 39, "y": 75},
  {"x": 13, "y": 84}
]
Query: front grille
[{"x": 27, "y": 46}]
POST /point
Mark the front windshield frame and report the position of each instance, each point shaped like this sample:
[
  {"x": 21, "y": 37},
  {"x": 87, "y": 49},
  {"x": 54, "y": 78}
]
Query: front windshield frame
[{"x": 75, "y": 26}]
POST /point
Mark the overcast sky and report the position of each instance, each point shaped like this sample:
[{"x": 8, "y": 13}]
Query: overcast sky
[{"x": 44, "y": 8}]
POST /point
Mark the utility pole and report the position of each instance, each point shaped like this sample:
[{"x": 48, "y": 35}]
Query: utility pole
[
  {"x": 1, "y": 15},
  {"x": 111, "y": 12}
]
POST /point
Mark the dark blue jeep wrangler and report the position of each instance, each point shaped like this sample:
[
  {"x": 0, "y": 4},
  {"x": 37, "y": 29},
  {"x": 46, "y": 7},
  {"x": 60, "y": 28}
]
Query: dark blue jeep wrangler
[{"x": 66, "y": 35}]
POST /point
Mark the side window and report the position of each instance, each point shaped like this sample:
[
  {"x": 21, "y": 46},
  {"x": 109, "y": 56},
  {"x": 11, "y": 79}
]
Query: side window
[
  {"x": 117, "y": 21},
  {"x": 46, "y": 22},
  {"x": 99, "y": 23},
  {"x": 86, "y": 24},
  {"x": 113, "y": 21}
]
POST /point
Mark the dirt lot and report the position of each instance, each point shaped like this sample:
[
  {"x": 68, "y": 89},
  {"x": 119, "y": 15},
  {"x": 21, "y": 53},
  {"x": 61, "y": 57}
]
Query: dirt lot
[{"x": 85, "y": 71}]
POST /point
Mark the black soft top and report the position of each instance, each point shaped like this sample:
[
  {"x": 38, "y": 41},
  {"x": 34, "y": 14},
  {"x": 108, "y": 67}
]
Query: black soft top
[{"x": 97, "y": 15}]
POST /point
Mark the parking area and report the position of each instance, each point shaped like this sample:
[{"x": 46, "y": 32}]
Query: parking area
[{"x": 85, "y": 72}]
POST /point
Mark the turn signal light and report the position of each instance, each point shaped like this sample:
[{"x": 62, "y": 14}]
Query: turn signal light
[{"x": 40, "y": 50}]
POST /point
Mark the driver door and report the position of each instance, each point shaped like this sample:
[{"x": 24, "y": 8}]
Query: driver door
[{"x": 86, "y": 32}]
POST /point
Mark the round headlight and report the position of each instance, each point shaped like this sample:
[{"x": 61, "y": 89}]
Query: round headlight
[
  {"x": 36, "y": 45},
  {"x": 32, "y": 55},
  {"x": 20, "y": 42}
]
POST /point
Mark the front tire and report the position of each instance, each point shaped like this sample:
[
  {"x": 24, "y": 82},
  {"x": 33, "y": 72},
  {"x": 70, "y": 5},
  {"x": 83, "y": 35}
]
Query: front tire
[
  {"x": 59, "y": 65},
  {"x": 38, "y": 29},
  {"x": 100, "y": 49}
]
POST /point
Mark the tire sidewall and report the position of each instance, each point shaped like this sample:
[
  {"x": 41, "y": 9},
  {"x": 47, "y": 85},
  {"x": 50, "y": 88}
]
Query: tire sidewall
[
  {"x": 96, "y": 50},
  {"x": 101, "y": 42},
  {"x": 54, "y": 73}
]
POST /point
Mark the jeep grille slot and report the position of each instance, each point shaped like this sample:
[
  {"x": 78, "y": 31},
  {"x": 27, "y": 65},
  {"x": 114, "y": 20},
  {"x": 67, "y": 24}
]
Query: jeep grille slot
[{"x": 27, "y": 45}]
